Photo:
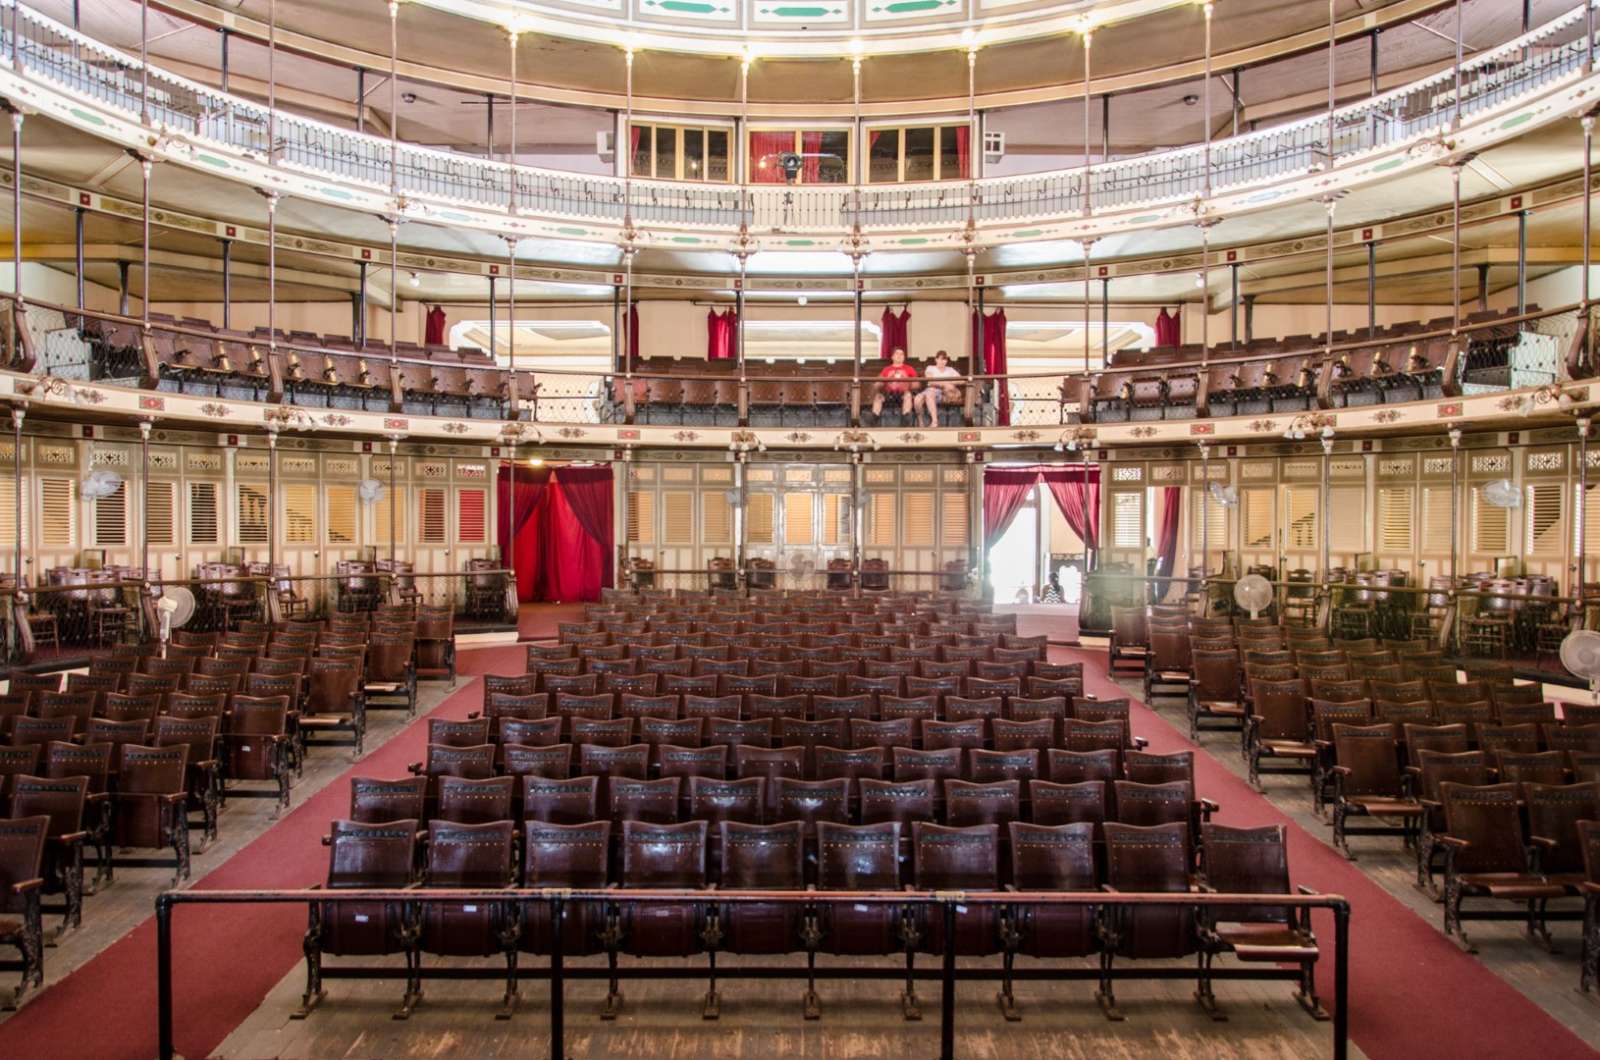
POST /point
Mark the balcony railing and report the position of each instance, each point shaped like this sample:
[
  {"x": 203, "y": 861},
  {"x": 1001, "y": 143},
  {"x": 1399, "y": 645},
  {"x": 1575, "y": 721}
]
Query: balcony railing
[{"x": 47, "y": 51}]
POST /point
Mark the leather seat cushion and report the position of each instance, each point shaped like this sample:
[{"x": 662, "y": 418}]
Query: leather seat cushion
[
  {"x": 1288, "y": 749},
  {"x": 1512, "y": 885},
  {"x": 1381, "y": 807}
]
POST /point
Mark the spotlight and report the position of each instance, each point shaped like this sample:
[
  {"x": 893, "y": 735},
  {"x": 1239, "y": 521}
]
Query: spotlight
[
  {"x": 802, "y": 299},
  {"x": 416, "y": 281},
  {"x": 1059, "y": 447}
]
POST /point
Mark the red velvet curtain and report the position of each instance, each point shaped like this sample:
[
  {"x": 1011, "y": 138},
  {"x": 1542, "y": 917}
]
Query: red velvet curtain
[
  {"x": 587, "y": 493},
  {"x": 436, "y": 326},
  {"x": 811, "y": 157},
  {"x": 993, "y": 358},
  {"x": 1167, "y": 536},
  {"x": 963, "y": 151},
  {"x": 765, "y": 147},
  {"x": 518, "y": 529},
  {"x": 893, "y": 331},
  {"x": 630, "y": 327},
  {"x": 1167, "y": 331},
  {"x": 722, "y": 331},
  {"x": 571, "y": 561},
  {"x": 1005, "y": 490},
  {"x": 1076, "y": 489}
]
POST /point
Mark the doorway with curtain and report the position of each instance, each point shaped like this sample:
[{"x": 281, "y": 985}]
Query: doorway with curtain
[
  {"x": 556, "y": 531},
  {"x": 1040, "y": 521}
]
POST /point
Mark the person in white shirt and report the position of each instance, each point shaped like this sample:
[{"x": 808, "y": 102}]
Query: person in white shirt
[{"x": 934, "y": 393}]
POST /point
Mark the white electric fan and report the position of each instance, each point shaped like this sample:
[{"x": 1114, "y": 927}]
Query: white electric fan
[
  {"x": 1253, "y": 593},
  {"x": 1580, "y": 654},
  {"x": 370, "y": 490},
  {"x": 734, "y": 497},
  {"x": 1227, "y": 496},
  {"x": 176, "y": 608},
  {"x": 801, "y": 567},
  {"x": 97, "y": 484},
  {"x": 1502, "y": 493}
]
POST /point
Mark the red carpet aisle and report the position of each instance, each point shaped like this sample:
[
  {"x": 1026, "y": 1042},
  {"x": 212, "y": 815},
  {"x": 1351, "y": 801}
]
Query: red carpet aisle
[
  {"x": 226, "y": 958},
  {"x": 1413, "y": 993}
]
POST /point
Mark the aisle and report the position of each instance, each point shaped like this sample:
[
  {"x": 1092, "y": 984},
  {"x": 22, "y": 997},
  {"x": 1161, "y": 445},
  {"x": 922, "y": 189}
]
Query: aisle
[{"x": 1401, "y": 966}]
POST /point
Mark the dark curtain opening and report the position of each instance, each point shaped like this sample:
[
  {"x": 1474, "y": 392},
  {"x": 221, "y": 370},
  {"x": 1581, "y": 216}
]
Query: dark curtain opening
[
  {"x": 436, "y": 327},
  {"x": 722, "y": 331},
  {"x": 1167, "y": 537},
  {"x": 1167, "y": 330},
  {"x": 1076, "y": 489},
  {"x": 520, "y": 495},
  {"x": 586, "y": 492},
  {"x": 893, "y": 331},
  {"x": 991, "y": 330},
  {"x": 1005, "y": 491}
]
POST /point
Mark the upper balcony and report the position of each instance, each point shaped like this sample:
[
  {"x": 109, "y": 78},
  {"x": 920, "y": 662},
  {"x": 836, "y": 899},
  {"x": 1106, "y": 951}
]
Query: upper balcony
[{"x": 1496, "y": 94}]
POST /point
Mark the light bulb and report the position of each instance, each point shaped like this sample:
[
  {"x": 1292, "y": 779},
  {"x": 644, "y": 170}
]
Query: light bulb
[
  {"x": 416, "y": 281},
  {"x": 1060, "y": 447},
  {"x": 802, "y": 299},
  {"x": 1327, "y": 432}
]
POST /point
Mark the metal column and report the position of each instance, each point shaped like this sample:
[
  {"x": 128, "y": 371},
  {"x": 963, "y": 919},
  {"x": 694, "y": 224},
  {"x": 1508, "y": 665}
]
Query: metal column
[{"x": 227, "y": 283}]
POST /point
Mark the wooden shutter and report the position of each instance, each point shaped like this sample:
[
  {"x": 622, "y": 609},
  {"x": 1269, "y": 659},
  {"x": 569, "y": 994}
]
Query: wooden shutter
[
  {"x": 716, "y": 519},
  {"x": 918, "y": 520},
  {"x": 111, "y": 517},
  {"x": 160, "y": 509},
  {"x": 472, "y": 508},
  {"x": 1591, "y": 522},
  {"x": 431, "y": 515},
  {"x": 677, "y": 517},
  {"x": 1205, "y": 507},
  {"x": 759, "y": 519},
  {"x": 341, "y": 514},
  {"x": 880, "y": 519},
  {"x": 1260, "y": 521},
  {"x": 1544, "y": 519},
  {"x": 1491, "y": 526},
  {"x": 1395, "y": 532},
  {"x": 954, "y": 529},
  {"x": 252, "y": 514},
  {"x": 1300, "y": 517},
  {"x": 203, "y": 529},
  {"x": 1347, "y": 518},
  {"x": 835, "y": 519},
  {"x": 391, "y": 499},
  {"x": 1436, "y": 525},
  {"x": 9, "y": 526},
  {"x": 299, "y": 513},
  {"x": 1127, "y": 520},
  {"x": 799, "y": 519},
  {"x": 642, "y": 517}
]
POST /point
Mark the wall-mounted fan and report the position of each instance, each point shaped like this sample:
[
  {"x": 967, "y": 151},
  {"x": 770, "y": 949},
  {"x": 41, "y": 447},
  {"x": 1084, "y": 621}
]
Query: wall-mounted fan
[
  {"x": 97, "y": 484},
  {"x": 801, "y": 567},
  {"x": 1227, "y": 496},
  {"x": 1253, "y": 593},
  {"x": 176, "y": 608},
  {"x": 1580, "y": 654},
  {"x": 1502, "y": 493},
  {"x": 370, "y": 490},
  {"x": 734, "y": 497}
]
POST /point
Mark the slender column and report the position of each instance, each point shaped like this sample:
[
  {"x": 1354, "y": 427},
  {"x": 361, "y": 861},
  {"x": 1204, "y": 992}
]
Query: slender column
[
  {"x": 494, "y": 345},
  {"x": 1238, "y": 103},
  {"x": 1580, "y": 516},
  {"x": 272, "y": 497},
  {"x": 1588, "y": 204},
  {"x": 1333, "y": 45},
  {"x": 1249, "y": 317},
  {"x": 1088, "y": 162},
  {"x": 17, "y": 415},
  {"x": 511, "y": 149},
  {"x": 122, "y": 286},
  {"x": 616, "y": 328},
  {"x": 144, "y": 506},
  {"x": 488, "y": 125},
  {"x": 227, "y": 283},
  {"x": 272, "y": 274},
  {"x": 225, "y": 38},
  {"x": 1233, "y": 305},
  {"x": 1205, "y": 289},
  {"x": 1105, "y": 127},
  {"x": 1327, "y": 454},
  {"x": 855, "y": 371},
  {"x": 394, "y": 289},
  {"x": 1372, "y": 85},
  {"x": 1455, "y": 248},
  {"x": 144, "y": 249},
  {"x": 1522, "y": 262},
  {"x": 1455, "y": 109},
  {"x": 361, "y": 302},
  {"x": 144, "y": 57},
  {"x": 16, "y": 208},
  {"x": 1205, "y": 522},
  {"x": 77, "y": 252},
  {"x": 394, "y": 105},
  {"x": 1327, "y": 280},
  {"x": 1105, "y": 321},
  {"x": 361, "y": 99},
  {"x": 511, "y": 325},
  {"x": 272, "y": 80},
  {"x": 394, "y": 497},
  {"x": 742, "y": 474},
  {"x": 1455, "y": 500},
  {"x": 1205, "y": 96},
  {"x": 1087, "y": 243},
  {"x": 1372, "y": 289}
]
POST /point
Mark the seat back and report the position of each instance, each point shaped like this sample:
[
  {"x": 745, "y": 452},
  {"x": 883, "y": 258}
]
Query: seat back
[
  {"x": 371, "y": 854},
  {"x": 560, "y": 801},
  {"x": 1489, "y": 819},
  {"x": 153, "y": 770},
  {"x": 967, "y": 803},
  {"x": 1554, "y": 811},
  {"x": 768, "y": 857},
  {"x": 22, "y": 842},
  {"x": 467, "y": 801},
  {"x": 1368, "y": 753},
  {"x": 61, "y": 800},
  {"x": 858, "y": 857},
  {"x": 955, "y": 858},
  {"x": 664, "y": 855},
  {"x": 469, "y": 855},
  {"x": 374, "y": 800},
  {"x": 566, "y": 855},
  {"x": 1247, "y": 861}
]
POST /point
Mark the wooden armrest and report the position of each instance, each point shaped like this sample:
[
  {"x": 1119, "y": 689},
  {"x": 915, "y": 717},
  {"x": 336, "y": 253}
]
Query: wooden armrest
[
  {"x": 1340, "y": 771},
  {"x": 1544, "y": 842},
  {"x": 1304, "y": 889},
  {"x": 24, "y": 886},
  {"x": 1454, "y": 842}
]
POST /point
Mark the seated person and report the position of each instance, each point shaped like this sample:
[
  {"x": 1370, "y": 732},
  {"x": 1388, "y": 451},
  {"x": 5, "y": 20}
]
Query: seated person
[
  {"x": 896, "y": 370},
  {"x": 930, "y": 397}
]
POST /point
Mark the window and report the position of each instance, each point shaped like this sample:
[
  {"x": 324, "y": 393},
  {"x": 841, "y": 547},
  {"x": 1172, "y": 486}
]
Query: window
[
  {"x": 1260, "y": 520},
  {"x": 918, "y": 152},
  {"x": 824, "y": 156},
  {"x": 1394, "y": 519},
  {"x": 677, "y": 523},
  {"x": 299, "y": 513},
  {"x": 641, "y": 517},
  {"x": 111, "y": 517},
  {"x": 57, "y": 512},
  {"x": 431, "y": 516},
  {"x": 1591, "y": 522},
  {"x": 919, "y": 520},
  {"x": 1300, "y": 517},
  {"x": 203, "y": 528},
  {"x": 159, "y": 501},
  {"x": 252, "y": 514},
  {"x": 758, "y": 519},
  {"x": 1491, "y": 526},
  {"x": 953, "y": 531},
  {"x": 880, "y": 519},
  {"x": 835, "y": 519},
  {"x": 341, "y": 514},
  {"x": 1347, "y": 518},
  {"x": 1436, "y": 519},
  {"x": 392, "y": 502},
  {"x": 1544, "y": 519},
  {"x": 8, "y": 522},
  {"x": 472, "y": 507},
  {"x": 680, "y": 152},
  {"x": 1215, "y": 517},
  {"x": 1127, "y": 520},
  {"x": 716, "y": 526},
  {"x": 798, "y": 519}
]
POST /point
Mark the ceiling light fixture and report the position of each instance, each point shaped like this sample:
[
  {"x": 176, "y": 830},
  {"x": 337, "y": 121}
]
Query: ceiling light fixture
[{"x": 415, "y": 281}]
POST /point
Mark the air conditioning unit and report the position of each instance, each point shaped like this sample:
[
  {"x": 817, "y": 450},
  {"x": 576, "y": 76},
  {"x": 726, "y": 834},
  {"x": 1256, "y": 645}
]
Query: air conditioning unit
[
  {"x": 994, "y": 147},
  {"x": 605, "y": 145}
]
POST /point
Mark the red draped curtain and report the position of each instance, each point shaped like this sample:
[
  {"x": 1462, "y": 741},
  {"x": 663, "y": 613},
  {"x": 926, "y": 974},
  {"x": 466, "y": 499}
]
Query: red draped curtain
[
  {"x": 810, "y": 157},
  {"x": 722, "y": 330},
  {"x": 1167, "y": 536},
  {"x": 436, "y": 327},
  {"x": 630, "y": 336},
  {"x": 1167, "y": 332},
  {"x": 893, "y": 331},
  {"x": 993, "y": 357},
  {"x": 1076, "y": 489},
  {"x": 963, "y": 152},
  {"x": 1005, "y": 491},
  {"x": 520, "y": 495},
  {"x": 587, "y": 494},
  {"x": 765, "y": 147}
]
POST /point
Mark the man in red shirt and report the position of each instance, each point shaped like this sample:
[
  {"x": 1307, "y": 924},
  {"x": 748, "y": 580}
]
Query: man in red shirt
[{"x": 902, "y": 380}]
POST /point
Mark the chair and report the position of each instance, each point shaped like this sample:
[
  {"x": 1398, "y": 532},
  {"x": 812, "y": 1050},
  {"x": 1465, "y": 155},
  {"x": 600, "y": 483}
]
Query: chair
[
  {"x": 435, "y": 645},
  {"x": 334, "y": 700},
  {"x": 364, "y": 855},
  {"x": 1277, "y": 727},
  {"x": 860, "y": 858},
  {"x": 957, "y": 859},
  {"x": 758, "y": 857},
  {"x": 62, "y": 800},
  {"x": 471, "y": 856},
  {"x": 22, "y": 844},
  {"x": 1486, "y": 856},
  {"x": 149, "y": 805},
  {"x": 1433, "y": 769},
  {"x": 256, "y": 746},
  {"x": 1145, "y": 860},
  {"x": 1367, "y": 783},
  {"x": 1254, "y": 861},
  {"x": 664, "y": 856},
  {"x": 564, "y": 856},
  {"x": 1214, "y": 695},
  {"x": 391, "y": 671},
  {"x": 1047, "y": 857}
]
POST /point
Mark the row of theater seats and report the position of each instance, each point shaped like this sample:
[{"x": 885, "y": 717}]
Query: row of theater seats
[
  {"x": 967, "y": 785},
  {"x": 1481, "y": 778},
  {"x": 150, "y": 743}
]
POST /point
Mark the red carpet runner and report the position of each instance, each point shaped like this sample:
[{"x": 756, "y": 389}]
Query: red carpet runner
[{"x": 1413, "y": 993}]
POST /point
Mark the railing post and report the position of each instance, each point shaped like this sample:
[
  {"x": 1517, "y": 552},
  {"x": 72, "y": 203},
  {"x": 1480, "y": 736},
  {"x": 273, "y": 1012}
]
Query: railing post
[
  {"x": 166, "y": 1048},
  {"x": 1341, "y": 980},
  {"x": 947, "y": 999},
  {"x": 558, "y": 1049}
]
